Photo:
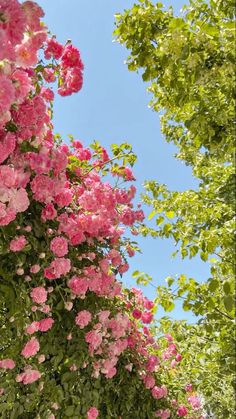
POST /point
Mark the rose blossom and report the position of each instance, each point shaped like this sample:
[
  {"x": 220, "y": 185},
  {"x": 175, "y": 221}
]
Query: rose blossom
[
  {"x": 92, "y": 413},
  {"x": 17, "y": 244},
  {"x": 147, "y": 317},
  {"x": 182, "y": 411},
  {"x": 7, "y": 364},
  {"x": 30, "y": 348},
  {"x": 34, "y": 269},
  {"x": 163, "y": 414},
  {"x": 45, "y": 324},
  {"x": 28, "y": 376},
  {"x": 39, "y": 295},
  {"x": 159, "y": 392},
  {"x": 59, "y": 246},
  {"x": 32, "y": 328},
  {"x": 83, "y": 318}
]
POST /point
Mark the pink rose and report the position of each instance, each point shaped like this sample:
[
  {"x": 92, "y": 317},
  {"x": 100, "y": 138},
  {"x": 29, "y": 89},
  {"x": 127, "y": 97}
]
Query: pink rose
[
  {"x": 152, "y": 362},
  {"x": 159, "y": 392},
  {"x": 32, "y": 328},
  {"x": 78, "y": 285},
  {"x": 28, "y": 376},
  {"x": 147, "y": 317},
  {"x": 7, "y": 364},
  {"x": 59, "y": 246},
  {"x": 34, "y": 269},
  {"x": 45, "y": 324},
  {"x": 182, "y": 411},
  {"x": 30, "y": 348},
  {"x": 17, "y": 244},
  {"x": 49, "y": 212},
  {"x": 92, "y": 413},
  {"x": 189, "y": 388},
  {"x": 39, "y": 295},
  {"x": 57, "y": 268},
  {"x": 178, "y": 357},
  {"x": 83, "y": 318}
]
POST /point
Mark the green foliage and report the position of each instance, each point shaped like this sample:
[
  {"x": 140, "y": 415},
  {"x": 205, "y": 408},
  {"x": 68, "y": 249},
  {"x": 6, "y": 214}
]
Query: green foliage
[{"x": 189, "y": 62}]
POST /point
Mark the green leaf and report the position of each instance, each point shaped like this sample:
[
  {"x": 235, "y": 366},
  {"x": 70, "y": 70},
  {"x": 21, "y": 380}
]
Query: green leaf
[
  {"x": 227, "y": 288},
  {"x": 229, "y": 303}
]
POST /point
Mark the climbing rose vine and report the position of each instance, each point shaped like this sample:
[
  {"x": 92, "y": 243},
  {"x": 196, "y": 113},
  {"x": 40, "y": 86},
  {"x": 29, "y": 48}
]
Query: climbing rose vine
[{"x": 74, "y": 342}]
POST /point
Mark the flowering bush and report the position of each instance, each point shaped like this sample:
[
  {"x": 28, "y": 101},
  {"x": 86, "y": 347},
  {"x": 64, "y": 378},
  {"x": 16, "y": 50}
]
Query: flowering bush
[{"x": 74, "y": 342}]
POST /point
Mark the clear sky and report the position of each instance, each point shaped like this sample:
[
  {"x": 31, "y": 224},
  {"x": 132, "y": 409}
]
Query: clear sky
[{"x": 112, "y": 108}]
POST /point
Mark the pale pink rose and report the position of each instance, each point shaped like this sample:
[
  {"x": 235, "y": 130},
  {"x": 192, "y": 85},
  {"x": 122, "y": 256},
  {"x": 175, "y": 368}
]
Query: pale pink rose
[
  {"x": 19, "y": 201},
  {"x": 195, "y": 402},
  {"x": 32, "y": 14},
  {"x": 7, "y": 364},
  {"x": 173, "y": 363},
  {"x": 148, "y": 304},
  {"x": 30, "y": 348},
  {"x": 83, "y": 318},
  {"x": 34, "y": 269},
  {"x": 28, "y": 228},
  {"x": 73, "y": 367},
  {"x": 163, "y": 414},
  {"x": 39, "y": 295},
  {"x": 152, "y": 362},
  {"x": 28, "y": 376},
  {"x": 12, "y": 21},
  {"x": 17, "y": 244},
  {"x": 169, "y": 337},
  {"x": 129, "y": 367},
  {"x": 32, "y": 328},
  {"x": 57, "y": 268},
  {"x": 41, "y": 358},
  {"x": 22, "y": 84},
  {"x": 149, "y": 381},
  {"x": 45, "y": 308},
  {"x": 59, "y": 246},
  {"x": 78, "y": 285},
  {"x": 94, "y": 339},
  {"x": 159, "y": 392},
  {"x": 189, "y": 388}
]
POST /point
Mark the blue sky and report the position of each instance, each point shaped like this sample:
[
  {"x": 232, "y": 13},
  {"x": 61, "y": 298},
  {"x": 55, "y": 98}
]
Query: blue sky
[{"x": 112, "y": 108}]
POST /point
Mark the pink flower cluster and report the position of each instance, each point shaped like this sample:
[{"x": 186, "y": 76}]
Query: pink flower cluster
[{"x": 29, "y": 376}]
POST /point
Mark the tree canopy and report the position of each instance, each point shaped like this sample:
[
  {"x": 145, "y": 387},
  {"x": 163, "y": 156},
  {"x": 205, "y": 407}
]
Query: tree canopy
[{"x": 188, "y": 61}]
